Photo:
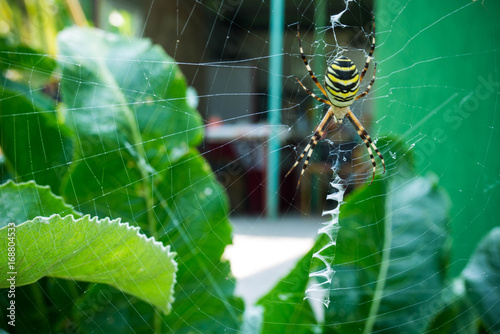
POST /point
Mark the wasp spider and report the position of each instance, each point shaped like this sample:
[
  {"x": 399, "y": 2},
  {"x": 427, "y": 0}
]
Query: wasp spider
[{"x": 341, "y": 86}]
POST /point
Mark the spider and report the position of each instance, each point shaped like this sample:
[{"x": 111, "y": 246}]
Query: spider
[{"x": 341, "y": 86}]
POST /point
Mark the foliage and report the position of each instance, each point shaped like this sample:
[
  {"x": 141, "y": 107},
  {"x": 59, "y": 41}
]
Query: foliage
[
  {"x": 391, "y": 271},
  {"x": 482, "y": 279},
  {"x": 84, "y": 249},
  {"x": 117, "y": 140}
]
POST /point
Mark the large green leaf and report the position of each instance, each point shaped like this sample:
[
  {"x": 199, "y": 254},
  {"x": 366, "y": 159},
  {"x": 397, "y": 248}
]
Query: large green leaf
[
  {"x": 126, "y": 103},
  {"x": 135, "y": 135},
  {"x": 359, "y": 242},
  {"x": 482, "y": 280},
  {"x": 389, "y": 261},
  {"x": 20, "y": 202},
  {"x": 92, "y": 250},
  {"x": 85, "y": 249},
  {"x": 42, "y": 305}
]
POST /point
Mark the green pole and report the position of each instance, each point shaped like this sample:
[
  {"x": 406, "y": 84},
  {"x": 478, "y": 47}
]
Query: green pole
[{"x": 274, "y": 104}]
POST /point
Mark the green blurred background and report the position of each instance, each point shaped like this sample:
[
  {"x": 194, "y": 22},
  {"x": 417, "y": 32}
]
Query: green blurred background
[{"x": 438, "y": 88}]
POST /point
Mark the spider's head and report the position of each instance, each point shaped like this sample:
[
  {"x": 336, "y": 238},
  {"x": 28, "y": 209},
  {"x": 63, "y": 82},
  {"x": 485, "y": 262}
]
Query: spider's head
[{"x": 342, "y": 82}]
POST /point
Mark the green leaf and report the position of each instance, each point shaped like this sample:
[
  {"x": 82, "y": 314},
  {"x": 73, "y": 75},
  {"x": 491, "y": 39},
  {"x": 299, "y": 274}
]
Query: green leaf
[
  {"x": 126, "y": 94},
  {"x": 482, "y": 280},
  {"x": 195, "y": 215},
  {"x": 285, "y": 303},
  {"x": 135, "y": 159},
  {"x": 92, "y": 250},
  {"x": 21, "y": 202},
  {"x": 24, "y": 201},
  {"x": 389, "y": 258},
  {"x": 127, "y": 105},
  {"x": 359, "y": 241}
]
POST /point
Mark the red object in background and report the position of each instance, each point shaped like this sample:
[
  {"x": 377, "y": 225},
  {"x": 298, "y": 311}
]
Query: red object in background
[
  {"x": 238, "y": 156},
  {"x": 244, "y": 185}
]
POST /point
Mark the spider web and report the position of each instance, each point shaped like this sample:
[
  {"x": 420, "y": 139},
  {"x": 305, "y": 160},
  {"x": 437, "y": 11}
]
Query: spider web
[{"x": 433, "y": 107}]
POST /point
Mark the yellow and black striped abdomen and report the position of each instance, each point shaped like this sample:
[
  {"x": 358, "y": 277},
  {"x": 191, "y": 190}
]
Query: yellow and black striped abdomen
[{"x": 342, "y": 82}]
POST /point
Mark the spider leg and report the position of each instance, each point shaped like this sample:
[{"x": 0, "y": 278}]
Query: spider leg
[
  {"x": 304, "y": 59},
  {"x": 369, "y": 85},
  {"x": 372, "y": 49},
  {"x": 312, "y": 94},
  {"x": 318, "y": 134},
  {"x": 367, "y": 140},
  {"x": 307, "y": 151}
]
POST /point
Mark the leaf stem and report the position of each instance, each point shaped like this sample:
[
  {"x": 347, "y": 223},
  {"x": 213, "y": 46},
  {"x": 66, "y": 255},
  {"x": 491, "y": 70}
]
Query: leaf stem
[
  {"x": 136, "y": 142},
  {"x": 384, "y": 268}
]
